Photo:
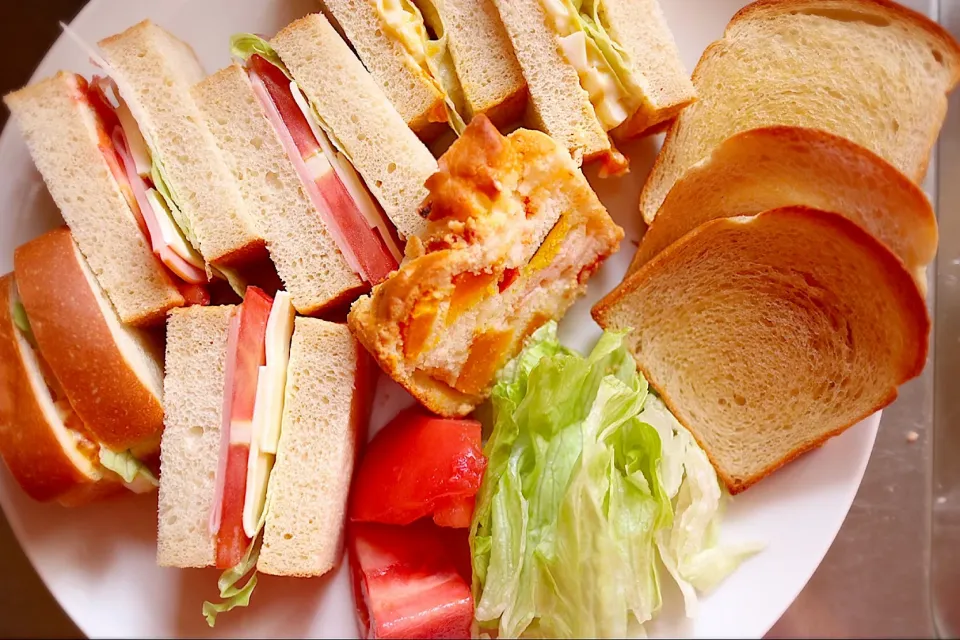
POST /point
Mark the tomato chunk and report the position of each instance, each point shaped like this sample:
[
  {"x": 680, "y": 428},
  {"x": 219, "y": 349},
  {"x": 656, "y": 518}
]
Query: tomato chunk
[
  {"x": 416, "y": 465},
  {"x": 232, "y": 542},
  {"x": 407, "y": 583}
]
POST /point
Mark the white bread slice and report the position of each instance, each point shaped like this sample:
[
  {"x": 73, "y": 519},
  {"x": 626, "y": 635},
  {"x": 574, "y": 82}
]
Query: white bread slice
[
  {"x": 641, "y": 30},
  {"x": 190, "y": 449},
  {"x": 774, "y": 167},
  {"x": 390, "y": 158},
  {"x": 768, "y": 335},
  {"x": 558, "y": 105},
  {"x": 42, "y": 447},
  {"x": 111, "y": 373},
  {"x": 868, "y": 70},
  {"x": 403, "y": 81},
  {"x": 307, "y": 258},
  {"x": 61, "y": 130},
  {"x": 159, "y": 70},
  {"x": 324, "y": 423}
]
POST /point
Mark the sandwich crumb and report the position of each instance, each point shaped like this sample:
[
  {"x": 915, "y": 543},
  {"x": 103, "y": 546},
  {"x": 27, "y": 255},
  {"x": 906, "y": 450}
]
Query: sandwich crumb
[{"x": 912, "y": 436}]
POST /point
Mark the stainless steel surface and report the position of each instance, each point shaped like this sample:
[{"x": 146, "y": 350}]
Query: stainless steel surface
[{"x": 876, "y": 579}]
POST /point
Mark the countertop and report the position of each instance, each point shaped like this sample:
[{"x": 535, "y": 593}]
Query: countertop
[{"x": 876, "y": 579}]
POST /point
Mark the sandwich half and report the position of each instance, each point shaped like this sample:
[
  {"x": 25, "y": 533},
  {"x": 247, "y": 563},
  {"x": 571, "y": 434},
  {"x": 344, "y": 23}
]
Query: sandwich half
[
  {"x": 351, "y": 108},
  {"x": 595, "y": 68},
  {"x": 439, "y": 62},
  {"x": 514, "y": 234},
  {"x": 264, "y": 416}
]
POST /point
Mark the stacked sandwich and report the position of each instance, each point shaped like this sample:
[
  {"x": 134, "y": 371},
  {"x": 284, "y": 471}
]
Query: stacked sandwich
[{"x": 777, "y": 297}]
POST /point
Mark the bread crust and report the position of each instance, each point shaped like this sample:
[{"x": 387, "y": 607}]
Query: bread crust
[
  {"x": 31, "y": 450},
  {"x": 901, "y": 283},
  {"x": 69, "y": 325}
]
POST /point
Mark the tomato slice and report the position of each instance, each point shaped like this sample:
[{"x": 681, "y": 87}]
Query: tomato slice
[
  {"x": 416, "y": 465},
  {"x": 232, "y": 542}
]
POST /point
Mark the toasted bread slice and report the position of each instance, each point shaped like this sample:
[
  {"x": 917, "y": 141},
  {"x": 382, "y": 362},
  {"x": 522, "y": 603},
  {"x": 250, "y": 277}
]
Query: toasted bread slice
[
  {"x": 64, "y": 135},
  {"x": 112, "y": 373},
  {"x": 768, "y": 335},
  {"x": 778, "y": 166},
  {"x": 393, "y": 162},
  {"x": 871, "y": 71},
  {"x": 308, "y": 261},
  {"x": 41, "y": 439},
  {"x": 155, "y": 71},
  {"x": 325, "y": 412}
]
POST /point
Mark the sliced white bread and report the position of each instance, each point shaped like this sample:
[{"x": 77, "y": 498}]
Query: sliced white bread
[
  {"x": 39, "y": 441},
  {"x": 155, "y": 72},
  {"x": 868, "y": 70},
  {"x": 393, "y": 162},
  {"x": 190, "y": 449},
  {"x": 307, "y": 258},
  {"x": 767, "y": 335},
  {"x": 112, "y": 373},
  {"x": 63, "y": 134},
  {"x": 558, "y": 105},
  {"x": 774, "y": 167},
  {"x": 324, "y": 423},
  {"x": 641, "y": 30}
]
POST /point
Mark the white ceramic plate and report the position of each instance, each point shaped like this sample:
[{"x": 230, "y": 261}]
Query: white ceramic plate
[{"x": 99, "y": 561}]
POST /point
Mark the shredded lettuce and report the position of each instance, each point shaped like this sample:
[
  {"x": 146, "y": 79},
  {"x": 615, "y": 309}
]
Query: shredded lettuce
[
  {"x": 244, "y": 45},
  {"x": 577, "y": 503},
  {"x": 135, "y": 474}
]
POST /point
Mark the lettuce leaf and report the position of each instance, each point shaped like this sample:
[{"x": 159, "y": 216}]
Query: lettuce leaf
[
  {"x": 134, "y": 473},
  {"x": 159, "y": 178},
  {"x": 22, "y": 322},
  {"x": 244, "y": 45}
]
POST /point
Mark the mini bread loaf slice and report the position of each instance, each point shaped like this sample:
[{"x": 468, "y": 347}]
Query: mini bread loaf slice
[
  {"x": 871, "y": 71},
  {"x": 111, "y": 373},
  {"x": 778, "y": 166},
  {"x": 768, "y": 335}
]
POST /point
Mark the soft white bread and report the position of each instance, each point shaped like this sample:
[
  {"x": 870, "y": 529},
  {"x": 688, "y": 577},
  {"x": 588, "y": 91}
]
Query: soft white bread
[
  {"x": 307, "y": 258},
  {"x": 393, "y": 162},
  {"x": 39, "y": 440},
  {"x": 111, "y": 373},
  {"x": 190, "y": 449},
  {"x": 63, "y": 134},
  {"x": 774, "y": 167},
  {"x": 155, "y": 72},
  {"x": 641, "y": 30},
  {"x": 868, "y": 70},
  {"x": 558, "y": 105},
  {"x": 405, "y": 83},
  {"x": 324, "y": 423},
  {"x": 768, "y": 335}
]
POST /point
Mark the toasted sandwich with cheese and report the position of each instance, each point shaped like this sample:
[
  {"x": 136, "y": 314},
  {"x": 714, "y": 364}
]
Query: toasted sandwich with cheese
[
  {"x": 265, "y": 412},
  {"x": 80, "y": 392},
  {"x": 597, "y": 68},
  {"x": 514, "y": 233},
  {"x": 441, "y": 62}
]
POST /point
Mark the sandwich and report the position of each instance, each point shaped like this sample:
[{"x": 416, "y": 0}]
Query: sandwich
[
  {"x": 871, "y": 71},
  {"x": 265, "y": 412},
  {"x": 439, "y": 63},
  {"x": 596, "y": 68},
  {"x": 779, "y": 166},
  {"x": 514, "y": 233},
  {"x": 80, "y": 392},
  {"x": 326, "y": 234},
  {"x": 767, "y": 335}
]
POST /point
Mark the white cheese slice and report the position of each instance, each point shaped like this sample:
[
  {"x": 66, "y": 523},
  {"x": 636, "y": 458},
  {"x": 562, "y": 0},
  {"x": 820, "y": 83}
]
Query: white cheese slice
[{"x": 170, "y": 233}]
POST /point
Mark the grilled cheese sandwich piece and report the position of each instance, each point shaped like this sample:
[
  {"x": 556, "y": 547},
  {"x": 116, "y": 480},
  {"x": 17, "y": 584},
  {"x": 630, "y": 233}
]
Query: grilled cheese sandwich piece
[{"x": 514, "y": 233}]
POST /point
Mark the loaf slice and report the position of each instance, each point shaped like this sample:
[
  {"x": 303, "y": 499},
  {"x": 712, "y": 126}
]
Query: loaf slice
[
  {"x": 306, "y": 256},
  {"x": 325, "y": 415},
  {"x": 63, "y": 134},
  {"x": 868, "y": 70},
  {"x": 155, "y": 72},
  {"x": 774, "y": 167},
  {"x": 393, "y": 162},
  {"x": 767, "y": 335},
  {"x": 190, "y": 448}
]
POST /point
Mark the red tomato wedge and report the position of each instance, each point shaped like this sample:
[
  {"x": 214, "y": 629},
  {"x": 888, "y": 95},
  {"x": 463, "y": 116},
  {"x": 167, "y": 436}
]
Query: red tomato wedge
[
  {"x": 419, "y": 465},
  {"x": 232, "y": 542},
  {"x": 407, "y": 584},
  {"x": 361, "y": 245}
]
